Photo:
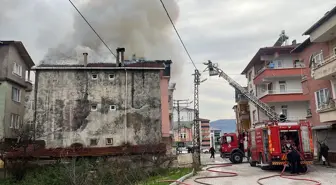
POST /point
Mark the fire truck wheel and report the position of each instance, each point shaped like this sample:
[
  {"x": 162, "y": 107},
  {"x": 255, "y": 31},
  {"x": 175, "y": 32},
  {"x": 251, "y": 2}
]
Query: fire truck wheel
[{"x": 237, "y": 158}]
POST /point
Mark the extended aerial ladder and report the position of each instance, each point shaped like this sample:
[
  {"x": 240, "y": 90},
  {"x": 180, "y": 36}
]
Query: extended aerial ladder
[{"x": 214, "y": 71}]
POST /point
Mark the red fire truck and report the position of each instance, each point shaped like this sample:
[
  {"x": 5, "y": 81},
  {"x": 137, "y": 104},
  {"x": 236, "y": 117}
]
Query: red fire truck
[{"x": 266, "y": 144}]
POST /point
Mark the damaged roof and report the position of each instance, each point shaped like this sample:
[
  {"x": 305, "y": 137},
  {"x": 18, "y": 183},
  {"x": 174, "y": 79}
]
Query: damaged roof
[
  {"x": 268, "y": 51},
  {"x": 156, "y": 64},
  {"x": 325, "y": 18},
  {"x": 21, "y": 50}
]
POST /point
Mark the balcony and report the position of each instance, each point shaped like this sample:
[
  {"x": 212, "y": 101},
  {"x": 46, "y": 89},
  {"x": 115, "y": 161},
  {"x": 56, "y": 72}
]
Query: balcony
[
  {"x": 289, "y": 95},
  {"x": 266, "y": 75},
  {"x": 328, "y": 111},
  {"x": 325, "y": 70},
  {"x": 29, "y": 85}
]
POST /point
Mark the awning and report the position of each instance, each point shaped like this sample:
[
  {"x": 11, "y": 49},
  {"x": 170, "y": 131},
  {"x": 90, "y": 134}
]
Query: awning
[{"x": 327, "y": 125}]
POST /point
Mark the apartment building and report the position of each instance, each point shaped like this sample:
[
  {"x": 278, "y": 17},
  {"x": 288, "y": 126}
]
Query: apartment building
[
  {"x": 319, "y": 54},
  {"x": 274, "y": 75},
  {"x": 102, "y": 104},
  {"x": 205, "y": 133},
  {"x": 242, "y": 112},
  {"x": 15, "y": 66}
]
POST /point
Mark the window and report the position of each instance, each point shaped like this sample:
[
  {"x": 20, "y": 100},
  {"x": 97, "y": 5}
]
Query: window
[
  {"x": 321, "y": 97},
  {"x": 284, "y": 110},
  {"x": 17, "y": 69},
  {"x": 318, "y": 58},
  {"x": 251, "y": 92},
  {"x": 109, "y": 141},
  {"x": 283, "y": 86},
  {"x": 254, "y": 115},
  {"x": 183, "y": 135},
  {"x": 16, "y": 94},
  {"x": 15, "y": 121},
  {"x": 334, "y": 50},
  {"x": 93, "y": 142},
  {"x": 250, "y": 76},
  {"x": 94, "y": 107},
  {"x": 113, "y": 107},
  {"x": 111, "y": 76},
  {"x": 94, "y": 76},
  {"x": 279, "y": 62}
]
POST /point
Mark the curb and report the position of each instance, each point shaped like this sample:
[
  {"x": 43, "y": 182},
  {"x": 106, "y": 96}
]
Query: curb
[{"x": 183, "y": 178}]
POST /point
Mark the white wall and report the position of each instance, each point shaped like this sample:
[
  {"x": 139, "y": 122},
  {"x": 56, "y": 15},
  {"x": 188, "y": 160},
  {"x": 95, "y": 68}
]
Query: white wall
[
  {"x": 251, "y": 86},
  {"x": 185, "y": 114},
  {"x": 295, "y": 110},
  {"x": 293, "y": 84}
]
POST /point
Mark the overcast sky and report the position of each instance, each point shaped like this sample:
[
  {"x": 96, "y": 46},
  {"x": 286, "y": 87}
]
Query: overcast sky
[{"x": 228, "y": 32}]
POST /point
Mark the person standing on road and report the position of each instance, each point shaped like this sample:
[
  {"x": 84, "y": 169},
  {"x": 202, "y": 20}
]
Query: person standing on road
[
  {"x": 324, "y": 149},
  {"x": 212, "y": 152},
  {"x": 293, "y": 158}
]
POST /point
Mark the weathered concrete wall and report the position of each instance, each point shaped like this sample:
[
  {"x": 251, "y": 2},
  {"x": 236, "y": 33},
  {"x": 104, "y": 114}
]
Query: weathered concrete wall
[{"x": 65, "y": 99}]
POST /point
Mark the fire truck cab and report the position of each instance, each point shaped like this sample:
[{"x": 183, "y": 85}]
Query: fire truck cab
[
  {"x": 269, "y": 144},
  {"x": 233, "y": 147}
]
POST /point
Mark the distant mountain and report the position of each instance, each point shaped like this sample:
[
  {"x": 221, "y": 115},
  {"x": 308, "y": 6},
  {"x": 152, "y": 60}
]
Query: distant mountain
[{"x": 226, "y": 125}]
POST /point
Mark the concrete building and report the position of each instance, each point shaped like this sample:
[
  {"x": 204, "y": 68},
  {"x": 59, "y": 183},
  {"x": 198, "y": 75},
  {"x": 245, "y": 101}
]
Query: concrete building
[
  {"x": 319, "y": 54},
  {"x": 15, "y": 65},
  {"x": 215, "y": 138},
  {"x": 242, "y": 112},
  {"x": 205, "y": 133},
  {"x": 102, "y": 104},
  {"x": 274, "y": 75}
]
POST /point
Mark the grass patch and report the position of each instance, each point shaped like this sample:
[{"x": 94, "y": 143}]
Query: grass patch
[{"x": 166, "y": 174}]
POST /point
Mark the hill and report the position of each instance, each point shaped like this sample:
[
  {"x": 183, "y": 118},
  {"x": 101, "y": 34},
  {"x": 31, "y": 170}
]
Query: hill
[{"x": 226, "y": 125}]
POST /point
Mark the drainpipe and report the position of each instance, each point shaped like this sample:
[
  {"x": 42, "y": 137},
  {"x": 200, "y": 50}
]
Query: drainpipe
[{"x": 126, "y": 100}]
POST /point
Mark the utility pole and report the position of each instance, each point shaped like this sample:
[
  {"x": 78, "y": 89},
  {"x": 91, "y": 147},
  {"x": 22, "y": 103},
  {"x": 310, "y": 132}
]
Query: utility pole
[
  {"x": 196, "y": 138},
  {"x": 178, "y": 104}
]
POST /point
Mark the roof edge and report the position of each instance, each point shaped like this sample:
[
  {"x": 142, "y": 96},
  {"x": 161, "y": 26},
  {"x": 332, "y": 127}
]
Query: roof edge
[{"x": 322, "y": 20}]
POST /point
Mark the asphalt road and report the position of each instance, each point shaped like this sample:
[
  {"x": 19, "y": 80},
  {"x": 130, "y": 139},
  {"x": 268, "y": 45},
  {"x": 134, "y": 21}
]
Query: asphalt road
[{"x": 249, "y": 175}]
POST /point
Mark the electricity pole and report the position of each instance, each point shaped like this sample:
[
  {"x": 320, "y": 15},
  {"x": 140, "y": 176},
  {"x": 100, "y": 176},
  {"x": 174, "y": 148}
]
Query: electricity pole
[{"x": 197, "y": 132}]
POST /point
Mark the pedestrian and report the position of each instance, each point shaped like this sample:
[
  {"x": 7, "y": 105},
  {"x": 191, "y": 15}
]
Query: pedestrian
[
  {"x": 212, "y": 152},
  {"x": 324, "y": 149},
  {"x": 293, "y": 158}
]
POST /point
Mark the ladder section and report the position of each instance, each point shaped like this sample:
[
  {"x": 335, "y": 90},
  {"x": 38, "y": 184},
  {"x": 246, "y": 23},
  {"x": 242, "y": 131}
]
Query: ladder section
[{"x": 214, "y": 71}]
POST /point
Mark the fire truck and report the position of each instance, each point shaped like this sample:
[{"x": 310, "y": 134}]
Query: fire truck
[{"x": 267, "y": 143}]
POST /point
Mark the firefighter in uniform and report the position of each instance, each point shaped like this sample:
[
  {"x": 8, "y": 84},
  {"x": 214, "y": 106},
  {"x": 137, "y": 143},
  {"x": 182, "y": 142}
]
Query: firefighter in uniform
[
  {"x": 294, "y": 159},
  {"x": 324, "y": 149},
  {"x": 286, "y": 144}
]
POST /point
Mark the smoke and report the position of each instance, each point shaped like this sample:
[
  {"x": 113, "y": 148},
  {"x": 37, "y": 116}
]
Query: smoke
[{"x": 141, "y": 26}]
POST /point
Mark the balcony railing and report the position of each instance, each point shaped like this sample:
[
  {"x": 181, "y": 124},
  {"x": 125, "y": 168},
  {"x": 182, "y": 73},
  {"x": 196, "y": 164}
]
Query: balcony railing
[
  {"x": 326, "y": 61},
  {"x": 287, "y": 91},
  {"x": 330, "y": 105}
]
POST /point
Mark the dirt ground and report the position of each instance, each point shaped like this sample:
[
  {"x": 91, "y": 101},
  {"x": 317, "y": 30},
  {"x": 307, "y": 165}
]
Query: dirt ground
[{"x": 249, "y": 175}]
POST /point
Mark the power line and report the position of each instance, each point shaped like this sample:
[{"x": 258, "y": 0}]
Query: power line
[
  {"x": 171, "y": 21},
  {"x": 92, "y": 29}
]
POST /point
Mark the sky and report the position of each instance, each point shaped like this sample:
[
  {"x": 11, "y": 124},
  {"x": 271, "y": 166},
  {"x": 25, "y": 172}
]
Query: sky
[{"x": 228, "y": 32}]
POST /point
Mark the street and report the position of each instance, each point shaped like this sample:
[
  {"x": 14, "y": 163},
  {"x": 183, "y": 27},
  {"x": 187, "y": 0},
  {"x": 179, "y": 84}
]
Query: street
[{"x": 250, "y": 175}]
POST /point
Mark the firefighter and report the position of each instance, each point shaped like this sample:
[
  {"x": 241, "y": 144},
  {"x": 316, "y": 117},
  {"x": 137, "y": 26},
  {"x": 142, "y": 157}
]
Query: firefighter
[
  {"x": 212, "y": 152},
  {"x": 293, "y": 158},
  {"x": 324, "y": 149},
  {"x": 286, "y": 144}
]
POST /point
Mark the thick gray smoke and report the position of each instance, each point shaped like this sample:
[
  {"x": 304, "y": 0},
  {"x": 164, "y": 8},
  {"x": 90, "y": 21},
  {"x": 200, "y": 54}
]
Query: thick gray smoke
[{"x": 141, "y": 26}]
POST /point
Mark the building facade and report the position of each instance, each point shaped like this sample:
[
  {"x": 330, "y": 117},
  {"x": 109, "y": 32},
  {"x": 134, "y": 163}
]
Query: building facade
[
  {"x": 15, "y": 65},
  {"x": 215, "y": 136},
  {"x": 274, "y": 75},
  {"x": 319, "y": 53},
  {"x": 242, "y": 112},
  {"x": 102, "y": 104},
  {"x": 205, "y": 133}
]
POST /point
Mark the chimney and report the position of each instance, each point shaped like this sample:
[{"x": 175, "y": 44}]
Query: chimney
[
  {"x": 118, "y": 57},
  {"x": 85, "y": 59},
  {"x": 293, "y": 42},
  {"x": 121, "y": 55}
]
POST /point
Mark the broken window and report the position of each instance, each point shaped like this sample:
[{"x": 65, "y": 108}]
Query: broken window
[
  {"x": 94, "y": 107},
  {"x": 94, "y": 76},
  {"x": 109, "y": 141},
  {"x": 93, "y": 142},
  {"x": 113, "y": 107},
  {"x": 111, "y": 76}
]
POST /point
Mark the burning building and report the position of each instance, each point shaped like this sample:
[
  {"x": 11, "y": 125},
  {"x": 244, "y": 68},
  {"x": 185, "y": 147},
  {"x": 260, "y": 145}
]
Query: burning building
[{"x": 101, "y": 104}]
